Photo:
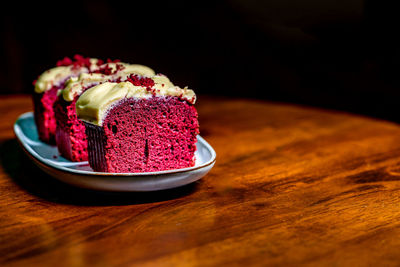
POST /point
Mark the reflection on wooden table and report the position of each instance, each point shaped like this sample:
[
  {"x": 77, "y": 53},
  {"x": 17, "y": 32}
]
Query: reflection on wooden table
[{"x": 292, "y": 185}]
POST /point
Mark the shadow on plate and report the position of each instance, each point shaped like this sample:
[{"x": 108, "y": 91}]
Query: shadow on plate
[{"x": 36, "y": 182}]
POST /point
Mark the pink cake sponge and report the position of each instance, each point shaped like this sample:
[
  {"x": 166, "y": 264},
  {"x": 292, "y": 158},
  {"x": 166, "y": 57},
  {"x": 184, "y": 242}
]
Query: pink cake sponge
[
  {"x": 144, "y": 135},
  {"x": 70, "y": 132},
  {"x": 44, "y": 114}
]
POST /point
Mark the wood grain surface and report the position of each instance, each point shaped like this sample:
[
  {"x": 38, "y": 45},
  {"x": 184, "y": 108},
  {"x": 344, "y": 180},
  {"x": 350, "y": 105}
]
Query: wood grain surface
[{"x": 292, "y": 186}]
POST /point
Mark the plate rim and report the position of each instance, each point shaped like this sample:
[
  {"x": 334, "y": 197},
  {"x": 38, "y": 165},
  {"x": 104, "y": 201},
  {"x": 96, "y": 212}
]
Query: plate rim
[{"x": 34, "y": 155}]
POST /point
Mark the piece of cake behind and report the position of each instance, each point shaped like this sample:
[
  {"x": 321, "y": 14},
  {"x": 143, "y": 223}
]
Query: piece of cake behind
[
  {"x": 70, "y": 131},
  {"x": 46, "y": 87},
  {"x": 141, "y": 125}
]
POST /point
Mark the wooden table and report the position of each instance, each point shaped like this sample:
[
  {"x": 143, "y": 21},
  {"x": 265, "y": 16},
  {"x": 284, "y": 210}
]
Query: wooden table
[{"x": 292, "y": 185}]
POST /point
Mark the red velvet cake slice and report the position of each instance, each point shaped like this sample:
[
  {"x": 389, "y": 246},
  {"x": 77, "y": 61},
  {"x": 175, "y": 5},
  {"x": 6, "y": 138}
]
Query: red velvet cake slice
[
  {"x": 70, "y": 131},
  {"x": 46, "y": 87},
  {"x": 141, "y": 125}
]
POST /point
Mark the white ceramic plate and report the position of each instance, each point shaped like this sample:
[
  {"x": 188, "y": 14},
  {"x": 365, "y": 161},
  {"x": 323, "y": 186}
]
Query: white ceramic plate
[{"x": 80, "y": 174}]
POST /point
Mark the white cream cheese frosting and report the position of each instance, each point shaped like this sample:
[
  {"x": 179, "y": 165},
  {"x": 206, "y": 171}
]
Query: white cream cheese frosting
[
  {"x": 93, "y": 104},
  {"x": 75, "y": 85},
  {"x": 55, "y": 76},
  {"x": 138, "y": 69}
]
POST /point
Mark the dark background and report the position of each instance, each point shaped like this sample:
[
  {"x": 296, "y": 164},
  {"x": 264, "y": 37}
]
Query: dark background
[{"x": 334, "y": 54}]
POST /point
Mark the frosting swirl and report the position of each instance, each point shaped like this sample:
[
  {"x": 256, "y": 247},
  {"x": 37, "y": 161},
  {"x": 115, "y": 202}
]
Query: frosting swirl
[
  {"x": 57, "y": 75},
  {"x": 75, "y": 85},
  {"x": 93, "y": 104}
]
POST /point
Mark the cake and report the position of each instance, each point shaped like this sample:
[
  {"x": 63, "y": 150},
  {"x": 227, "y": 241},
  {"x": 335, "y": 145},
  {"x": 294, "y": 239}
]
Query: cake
[
  {"x": 143, "y": 124},
  {"x": 70, "y": 132},
  {"x": 46, "y": 87}
]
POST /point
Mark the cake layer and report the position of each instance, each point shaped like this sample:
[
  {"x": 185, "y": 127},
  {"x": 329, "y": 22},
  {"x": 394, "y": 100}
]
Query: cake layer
[
  {"x": 44, "y": 115},
  {"x": 143, "y": 135},
  {"x": 70, "y": 132}
]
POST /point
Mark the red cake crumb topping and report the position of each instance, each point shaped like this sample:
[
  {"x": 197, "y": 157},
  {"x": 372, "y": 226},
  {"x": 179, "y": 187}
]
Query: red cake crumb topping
[
  {"x": 64, "y": 62},
  {"x": 141, "y": 81},
  {"x": 113, "y": 61},
  {"x": 79, "y": 61},
  {"x": 107, "y": 70},
  {"x": 99, "y": 62}
]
